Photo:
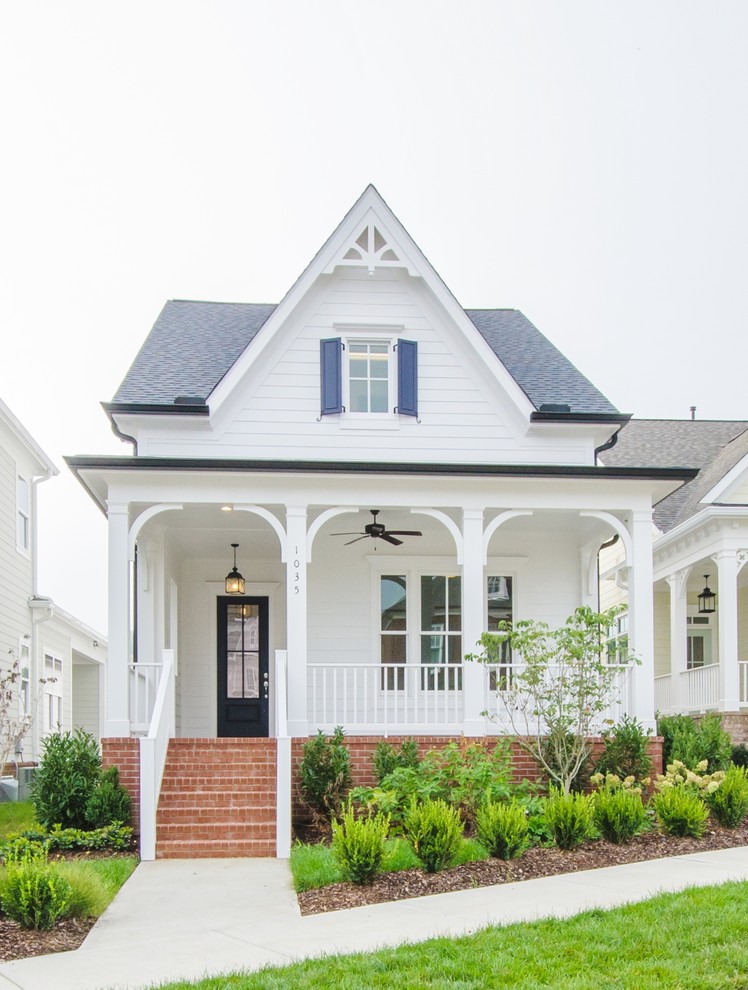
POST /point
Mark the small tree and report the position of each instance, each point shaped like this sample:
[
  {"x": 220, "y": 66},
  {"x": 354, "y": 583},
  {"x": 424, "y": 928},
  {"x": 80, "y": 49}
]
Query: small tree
[
  {"x": 558, "y": 698},
  {"x": 14, "y": 723}
]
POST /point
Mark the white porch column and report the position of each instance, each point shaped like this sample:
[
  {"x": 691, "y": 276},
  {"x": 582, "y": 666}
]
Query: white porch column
[
  {"x": 641, "y": 616},
  {"x": 117, "y": 721},
  {"x": 727, "y": 618},
  {"x": 473, "y": 597},
  {"x": 678, "y": 584},
  {"x": 296, "y": 619}
]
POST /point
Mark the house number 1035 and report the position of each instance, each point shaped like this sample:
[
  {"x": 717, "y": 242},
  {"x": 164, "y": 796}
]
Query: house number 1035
[{"x": 296, "y": 576}]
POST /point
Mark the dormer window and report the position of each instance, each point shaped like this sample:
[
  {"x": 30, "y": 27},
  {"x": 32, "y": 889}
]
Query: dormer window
[{"x": 369, "y": 376}]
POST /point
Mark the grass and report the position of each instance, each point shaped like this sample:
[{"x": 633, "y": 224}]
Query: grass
[
  {"x": 95, "y": 882},
  {"x": 15, "y": 816},
  {"x": 695, "y": 940},
  {"x": 314, "y": 866}
]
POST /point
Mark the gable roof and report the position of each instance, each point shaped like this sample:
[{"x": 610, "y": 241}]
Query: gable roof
[
  {"x": 712, "y": 446},
  {"x": 194, "y": 344}
]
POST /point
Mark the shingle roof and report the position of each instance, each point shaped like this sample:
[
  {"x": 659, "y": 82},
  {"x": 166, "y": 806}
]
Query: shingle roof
[
  {"x": 712, "y": 446},
  {"x": 193, "y": 344}
]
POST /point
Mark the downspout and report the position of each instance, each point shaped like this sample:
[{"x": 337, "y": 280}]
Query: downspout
[{"x": 611, "y": 442}]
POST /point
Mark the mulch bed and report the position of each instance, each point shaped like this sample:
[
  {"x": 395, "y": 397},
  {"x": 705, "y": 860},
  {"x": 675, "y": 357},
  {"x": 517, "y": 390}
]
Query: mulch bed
[{"x": 536, "y": 862}]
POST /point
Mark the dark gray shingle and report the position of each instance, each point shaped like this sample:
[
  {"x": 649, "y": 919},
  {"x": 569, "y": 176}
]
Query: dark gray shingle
[{"x": 712, "y": 446}]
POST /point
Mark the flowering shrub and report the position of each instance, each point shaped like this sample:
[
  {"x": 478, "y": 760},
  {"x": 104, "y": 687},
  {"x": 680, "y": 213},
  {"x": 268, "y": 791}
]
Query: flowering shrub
[{"x": 680, "y": 777}]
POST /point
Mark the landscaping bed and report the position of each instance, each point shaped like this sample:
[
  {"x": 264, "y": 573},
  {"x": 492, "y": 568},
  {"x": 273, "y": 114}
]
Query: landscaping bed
[
  {"x": 534, "y": 863},
  {"x": 22, "y": 943}
]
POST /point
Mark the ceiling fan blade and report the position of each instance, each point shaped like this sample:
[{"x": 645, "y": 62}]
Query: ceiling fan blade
[
  {"x": 356, "y": 533},
  {"x": 388, "y": 538},
  {"x": 404, "y": 532},
  {"x": 364, "y": 537}
]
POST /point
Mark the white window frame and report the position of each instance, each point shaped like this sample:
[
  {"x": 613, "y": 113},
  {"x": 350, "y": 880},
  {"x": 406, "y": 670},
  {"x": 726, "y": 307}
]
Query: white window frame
[
  {"x": 53, "y": 692},
  {"x": 370, "y": 334},
  {"x": 23, "y": 515},
  {"x": 24, "y": 680},
  {"x": 619, "y": 639}
]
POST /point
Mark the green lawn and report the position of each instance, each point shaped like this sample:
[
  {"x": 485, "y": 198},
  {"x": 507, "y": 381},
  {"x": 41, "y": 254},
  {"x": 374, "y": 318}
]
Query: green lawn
[
  {"x": 15, "y": 816},
  {"x": 695, "y": 940}
]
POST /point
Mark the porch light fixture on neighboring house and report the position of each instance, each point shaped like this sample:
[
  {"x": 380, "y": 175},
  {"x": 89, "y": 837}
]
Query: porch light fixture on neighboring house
[
  {"x": 707, "y": 599},
  {"x": 234, "y": 582}
]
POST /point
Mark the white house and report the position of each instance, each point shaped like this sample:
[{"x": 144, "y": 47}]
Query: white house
[
  {"x": 701, "y": 543},
  {"x": 61, "y": 660},
  {"x": 397, "y": 472}
]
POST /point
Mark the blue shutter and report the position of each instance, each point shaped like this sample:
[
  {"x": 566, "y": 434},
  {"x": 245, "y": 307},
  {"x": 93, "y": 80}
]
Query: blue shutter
[
  {"x": 331, "y": 375},
  {"x": 407, "y": 378}
]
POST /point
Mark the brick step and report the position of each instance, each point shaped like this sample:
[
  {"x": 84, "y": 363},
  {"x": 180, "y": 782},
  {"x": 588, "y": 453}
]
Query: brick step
[
  {"x": 191, "y": 832},
  {"x": 215, "y": 850}
]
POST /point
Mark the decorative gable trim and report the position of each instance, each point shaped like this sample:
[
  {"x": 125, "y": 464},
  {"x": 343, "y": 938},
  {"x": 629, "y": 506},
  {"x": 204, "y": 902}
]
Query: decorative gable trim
[{"x": 371, "y": 249}]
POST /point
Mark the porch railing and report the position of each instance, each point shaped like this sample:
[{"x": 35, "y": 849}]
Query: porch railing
[
  {"x": 374, "y": 697},
  {"x": 699, "y": 688},
  {"x": 382, "y": 696},
  {"x": 743, "y": 680},
  {"x": 500, "y": 678},
  {"x": 143, "y": 684},
  {"x": 153, "y": 749},
  {"x": 664, "y": 694}
]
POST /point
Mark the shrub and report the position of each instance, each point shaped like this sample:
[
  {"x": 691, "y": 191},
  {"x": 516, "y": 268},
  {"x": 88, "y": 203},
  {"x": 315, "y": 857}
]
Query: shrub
[
  {"x": 569, "y": 817},
  {"x": 65, "y": 779},
  {"x": 619, "y": 813},
  {"x": 34, "y": 894},
  {"x": 19, "y": 849},
  {"x": 435, "y": 832},
  {"x": 625, "y": 752},
  {"x": 729, "y": 803},
  {"x": 358, "y": 845},
  {"x": 88, "y": 896},
  {"x": 739, "y": 755},
  {"x": 386, "y": 758},
  {"x": 503, "y": 829},
  {"x": 698, "y": 781},
  {"x": 109, "y": 801},
  {"x": 691, "y": 742},
  {"x": 681, "y": 812},
  {"x": 325, "y": 773}
]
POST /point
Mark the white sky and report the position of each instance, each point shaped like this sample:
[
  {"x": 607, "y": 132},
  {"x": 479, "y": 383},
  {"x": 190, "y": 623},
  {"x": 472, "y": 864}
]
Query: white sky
[{"x": 585, "y": 162}]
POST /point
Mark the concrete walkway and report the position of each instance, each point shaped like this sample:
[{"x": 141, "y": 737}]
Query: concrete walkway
[{"x": 190, "y": 918}]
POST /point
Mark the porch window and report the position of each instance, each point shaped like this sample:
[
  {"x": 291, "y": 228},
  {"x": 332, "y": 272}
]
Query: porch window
[
  {"x": 394, "y": 628},
  {"x": 618, "y": 641},
  {"x": 699, "y": 639},
  {"x": 52, "y": 693},
  {"x": 441, "y": 628},
  {"x": 499, "y": 592}
]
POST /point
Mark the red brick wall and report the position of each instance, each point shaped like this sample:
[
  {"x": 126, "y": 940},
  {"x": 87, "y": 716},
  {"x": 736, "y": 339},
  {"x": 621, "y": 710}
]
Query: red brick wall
[{"x": 124, "y": 753}]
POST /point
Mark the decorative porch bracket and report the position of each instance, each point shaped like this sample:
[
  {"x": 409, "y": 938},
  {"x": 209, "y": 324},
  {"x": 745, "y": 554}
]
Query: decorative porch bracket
[
  {"x": 320, "y": 521},
  {"x": 275, "y": 523}
]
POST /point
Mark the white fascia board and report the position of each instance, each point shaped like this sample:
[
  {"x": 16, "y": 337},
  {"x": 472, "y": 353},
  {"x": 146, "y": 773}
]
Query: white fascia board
[
  {"x": 730, "y": 480},
  {"x": 46, "y": 465},
  {"x": 370, "y": 203},
  {"x": 75, "y": 626},
  {"x": 698, "y": 520}
]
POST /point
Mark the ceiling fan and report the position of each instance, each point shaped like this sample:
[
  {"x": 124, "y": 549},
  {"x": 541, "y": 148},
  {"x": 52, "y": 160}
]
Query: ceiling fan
[{"x": 378, "y": 531}]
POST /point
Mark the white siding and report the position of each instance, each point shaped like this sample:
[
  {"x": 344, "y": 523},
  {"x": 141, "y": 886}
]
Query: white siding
[
  {"x": 662, "y": 633},
  {"x": 740, "y": 495},
  {"x": 85, "y": 706}
]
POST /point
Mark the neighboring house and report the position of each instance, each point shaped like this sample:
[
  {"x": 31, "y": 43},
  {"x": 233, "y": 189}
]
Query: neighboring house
[
  {"x": 367, "y": 389},
  {"x": 61, "y": 660},
  {"x": 700, "y": 541}
]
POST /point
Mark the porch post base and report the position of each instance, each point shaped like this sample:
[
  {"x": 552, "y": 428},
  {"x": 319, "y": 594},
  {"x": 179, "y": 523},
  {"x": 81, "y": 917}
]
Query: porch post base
[
  {"x": 298, "y": 728},
  {"x": 729, "y": 705},
  {"x": 117, "y": 728},
  {"x": 474, "y": 727}
]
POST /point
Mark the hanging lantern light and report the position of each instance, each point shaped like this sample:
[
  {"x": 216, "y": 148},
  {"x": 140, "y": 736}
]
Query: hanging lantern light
[
  {"x": 707, "y": 599},
  {"x": 234, "y": 582}
]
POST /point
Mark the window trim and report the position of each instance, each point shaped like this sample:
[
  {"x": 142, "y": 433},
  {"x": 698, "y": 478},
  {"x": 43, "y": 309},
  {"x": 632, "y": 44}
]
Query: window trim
[
  {"x": 23, "y": 548},
  {"x": 53, "y": 690}
]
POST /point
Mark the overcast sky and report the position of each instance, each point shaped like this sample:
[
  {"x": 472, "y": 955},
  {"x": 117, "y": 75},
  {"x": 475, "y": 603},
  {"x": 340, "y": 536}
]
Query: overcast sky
[{"x": 585, "y": 162}]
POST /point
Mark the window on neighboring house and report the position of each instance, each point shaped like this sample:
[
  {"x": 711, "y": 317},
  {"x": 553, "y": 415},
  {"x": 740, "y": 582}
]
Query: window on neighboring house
[
  {"x": 699, "y": 642},
  {"x": 24, "y": 679},
  {"x": 52, "y": 693},
  {"x": 618, "y": 641},
  {"x": 23, "y": 514},
  {"x": 375, "y": 376}
]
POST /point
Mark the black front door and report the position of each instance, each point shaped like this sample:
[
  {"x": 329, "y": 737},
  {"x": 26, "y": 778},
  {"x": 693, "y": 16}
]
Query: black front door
[{"x": 243, "y": 674}]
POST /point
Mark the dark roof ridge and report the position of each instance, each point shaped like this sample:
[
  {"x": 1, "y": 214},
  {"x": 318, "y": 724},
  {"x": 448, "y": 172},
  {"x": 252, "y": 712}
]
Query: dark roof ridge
[{"x": 219, "y": 302}]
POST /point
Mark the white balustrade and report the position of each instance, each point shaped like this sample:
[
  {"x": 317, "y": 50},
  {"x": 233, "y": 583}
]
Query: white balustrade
[
  {"x": 379, "y": 697},
  {"x": 143, "y": 684},
  {"x": 153, "y": 750},
  {"x": 664, "y": 694},
  {"x": 700, "y": 688}
]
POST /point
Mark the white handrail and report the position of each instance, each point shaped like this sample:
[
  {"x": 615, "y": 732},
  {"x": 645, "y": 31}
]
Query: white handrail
[{"x": 153, "y": 750}]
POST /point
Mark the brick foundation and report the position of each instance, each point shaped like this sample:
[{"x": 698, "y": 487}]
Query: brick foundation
[
  {"x": 736, "y": 725},
  {"x": 124, "y": 753}
]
